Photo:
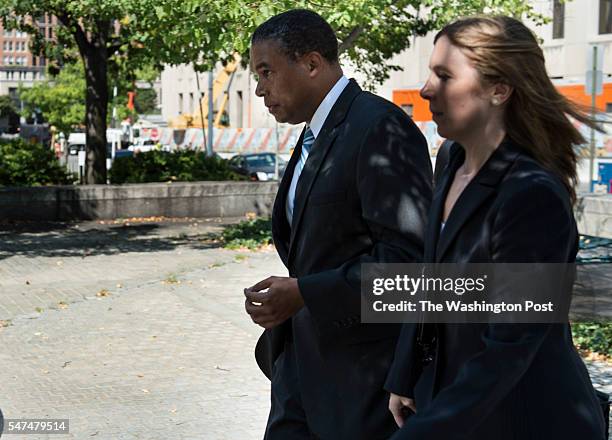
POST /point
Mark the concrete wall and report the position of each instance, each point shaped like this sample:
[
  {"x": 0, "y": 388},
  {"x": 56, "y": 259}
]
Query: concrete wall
[
  {"x": 184, "y": 199},
  {"x": 199, "y": 199},
  {"x": 594, "y": 215}
]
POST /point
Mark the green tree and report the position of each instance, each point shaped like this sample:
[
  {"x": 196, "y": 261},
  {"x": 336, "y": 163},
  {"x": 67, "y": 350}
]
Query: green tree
[
  {"x": 145, "y": 101},
  {"x": 9, "y": 111},
  {"x": 7, "y": 106},
  {"x": 123, "y": 35},
  {"x": 61, "y": 100}
]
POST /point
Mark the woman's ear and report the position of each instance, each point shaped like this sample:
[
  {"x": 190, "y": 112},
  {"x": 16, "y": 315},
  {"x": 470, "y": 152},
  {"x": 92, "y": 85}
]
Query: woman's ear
[{"x": 501, "y": 93}]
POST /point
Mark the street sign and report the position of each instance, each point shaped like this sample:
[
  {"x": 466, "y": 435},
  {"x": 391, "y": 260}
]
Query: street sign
[{"x": 594, "y": 73}]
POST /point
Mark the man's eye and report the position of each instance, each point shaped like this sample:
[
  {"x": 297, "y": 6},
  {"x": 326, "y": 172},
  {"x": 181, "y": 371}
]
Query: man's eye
[{"x": 265, "y": 73}]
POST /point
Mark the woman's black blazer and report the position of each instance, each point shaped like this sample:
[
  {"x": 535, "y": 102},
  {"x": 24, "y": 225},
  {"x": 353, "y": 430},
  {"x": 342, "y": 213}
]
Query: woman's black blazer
[{"x": 499, "y": 381}]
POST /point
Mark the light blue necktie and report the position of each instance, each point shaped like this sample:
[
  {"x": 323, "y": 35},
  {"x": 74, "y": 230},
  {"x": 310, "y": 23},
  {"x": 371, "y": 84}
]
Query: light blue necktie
[{"x": 306, "y": 146}]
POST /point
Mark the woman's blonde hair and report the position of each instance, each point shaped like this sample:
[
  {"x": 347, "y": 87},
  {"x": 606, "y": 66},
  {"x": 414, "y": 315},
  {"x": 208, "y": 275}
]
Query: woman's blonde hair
[{"x": 504, "y": 50}]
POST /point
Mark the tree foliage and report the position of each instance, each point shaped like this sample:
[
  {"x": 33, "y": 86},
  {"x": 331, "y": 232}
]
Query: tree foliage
[
  {"x": 61, "y": 100},
  {"x": 7, "y": 106}
]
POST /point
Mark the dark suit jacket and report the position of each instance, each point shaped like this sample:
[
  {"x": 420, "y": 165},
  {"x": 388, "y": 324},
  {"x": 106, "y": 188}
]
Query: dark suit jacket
[
  {"x": 363, "y": 196},
  {"x": 499, "y": 381}
]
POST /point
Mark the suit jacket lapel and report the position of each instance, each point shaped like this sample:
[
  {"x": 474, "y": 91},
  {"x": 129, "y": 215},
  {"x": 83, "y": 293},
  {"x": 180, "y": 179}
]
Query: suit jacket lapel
[
  {"x": 280, "y": 225},
  {"x": 475, "y": 194},
  {"x": 317, "y": 155},
  {"x": 437, "y": 205}
]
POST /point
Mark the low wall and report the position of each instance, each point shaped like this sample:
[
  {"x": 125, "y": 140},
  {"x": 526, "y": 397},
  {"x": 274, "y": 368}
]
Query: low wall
[
  {"x": 199, "y": 199},
  {"x": 183, "y": 199},
  {"x": 594, "y": 215}
]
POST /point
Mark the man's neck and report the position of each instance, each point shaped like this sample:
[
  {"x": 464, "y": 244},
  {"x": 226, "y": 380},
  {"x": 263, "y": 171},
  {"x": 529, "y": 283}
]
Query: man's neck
[{"x": 329, "y": 82}]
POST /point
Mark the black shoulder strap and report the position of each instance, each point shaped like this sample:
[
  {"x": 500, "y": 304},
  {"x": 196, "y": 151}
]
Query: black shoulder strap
[{"x": 442, "y": 159}]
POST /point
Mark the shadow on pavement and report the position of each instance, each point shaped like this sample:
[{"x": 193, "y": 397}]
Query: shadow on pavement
[{"x": 75, "y": 239}]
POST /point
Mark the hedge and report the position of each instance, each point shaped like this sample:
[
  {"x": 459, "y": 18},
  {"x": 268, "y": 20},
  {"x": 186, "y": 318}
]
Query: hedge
[
  {"x": 30, "y": 164},
  {"x": 162, "y": 166}
]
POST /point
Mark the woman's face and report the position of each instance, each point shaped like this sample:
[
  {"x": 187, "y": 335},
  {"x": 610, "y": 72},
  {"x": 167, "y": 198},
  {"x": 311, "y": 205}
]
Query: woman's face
[{"x": 458, "y": 99}]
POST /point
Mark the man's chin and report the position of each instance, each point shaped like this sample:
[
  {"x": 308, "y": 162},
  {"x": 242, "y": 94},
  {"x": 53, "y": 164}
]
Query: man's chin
[{"x": 280, "y": 118}]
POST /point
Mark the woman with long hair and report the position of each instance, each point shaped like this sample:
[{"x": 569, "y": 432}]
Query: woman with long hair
[{"x": 505, "y": 196}]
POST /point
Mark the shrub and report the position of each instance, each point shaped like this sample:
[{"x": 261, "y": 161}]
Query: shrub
[
  {"x": 250, "y": 234},
  {"x": 30, "y": 164},
  {"x": 162, "y": 166},
  {"x": 593, "y": 336}
]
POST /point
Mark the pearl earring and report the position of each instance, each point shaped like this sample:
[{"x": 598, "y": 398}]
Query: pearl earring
[{"x": 494, "y": 101}]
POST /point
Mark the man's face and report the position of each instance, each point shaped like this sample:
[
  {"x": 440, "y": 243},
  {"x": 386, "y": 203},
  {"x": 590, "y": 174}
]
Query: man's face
[{"x": 283, "y": 83}]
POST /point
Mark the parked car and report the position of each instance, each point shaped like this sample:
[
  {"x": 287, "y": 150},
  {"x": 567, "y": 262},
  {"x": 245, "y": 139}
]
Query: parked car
[
  {"x": 143, "y": 146},
  {"x": 258, "y": 166}
]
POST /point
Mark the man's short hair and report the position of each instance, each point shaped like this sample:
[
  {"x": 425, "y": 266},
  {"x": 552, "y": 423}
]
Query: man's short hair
[{"x": 299, "y": 31}]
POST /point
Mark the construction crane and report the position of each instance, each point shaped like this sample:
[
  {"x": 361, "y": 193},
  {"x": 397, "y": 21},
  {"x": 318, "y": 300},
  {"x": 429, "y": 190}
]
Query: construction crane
[{"x": 221, "y": 86}]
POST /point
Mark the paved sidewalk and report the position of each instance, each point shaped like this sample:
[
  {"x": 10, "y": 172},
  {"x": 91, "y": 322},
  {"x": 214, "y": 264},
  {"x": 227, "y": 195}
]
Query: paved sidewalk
[
  {"x": 135, "y": 331},
  {"x": 167, "y": 355}
]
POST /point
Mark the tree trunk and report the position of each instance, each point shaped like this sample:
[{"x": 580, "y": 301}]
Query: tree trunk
[{"x": 96, "y": 107}]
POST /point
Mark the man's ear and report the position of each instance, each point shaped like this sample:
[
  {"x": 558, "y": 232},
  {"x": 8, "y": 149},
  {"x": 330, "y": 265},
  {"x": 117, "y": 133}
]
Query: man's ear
[
  {"x": 501, "y": 92},
  {"x": 313, "y": 62}
]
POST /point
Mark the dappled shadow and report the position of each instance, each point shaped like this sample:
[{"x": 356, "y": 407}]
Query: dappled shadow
[{"x": 74, "y": 240}]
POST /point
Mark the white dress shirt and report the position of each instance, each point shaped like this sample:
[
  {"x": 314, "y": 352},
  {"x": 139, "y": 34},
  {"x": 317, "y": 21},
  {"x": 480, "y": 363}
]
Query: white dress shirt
[{"x": 315, "y": 124}]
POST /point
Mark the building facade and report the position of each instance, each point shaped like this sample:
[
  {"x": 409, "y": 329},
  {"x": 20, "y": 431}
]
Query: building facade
[{"x": 18, "y": 65}]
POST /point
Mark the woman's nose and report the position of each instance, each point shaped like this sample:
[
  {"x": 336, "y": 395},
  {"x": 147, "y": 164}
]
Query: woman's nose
[{"x": 426, "y": 91}]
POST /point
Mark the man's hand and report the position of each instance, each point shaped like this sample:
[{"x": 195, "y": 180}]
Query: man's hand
[
  {"x": 274, "y": 306},
  {"x": 398, "y": 405}
]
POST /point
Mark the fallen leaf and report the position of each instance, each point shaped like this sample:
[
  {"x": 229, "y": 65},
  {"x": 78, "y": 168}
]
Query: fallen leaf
[{"x": 102, "y": 293}]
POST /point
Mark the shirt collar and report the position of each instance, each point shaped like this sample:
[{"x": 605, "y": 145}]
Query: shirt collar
[{"x": 319, "y": 117}]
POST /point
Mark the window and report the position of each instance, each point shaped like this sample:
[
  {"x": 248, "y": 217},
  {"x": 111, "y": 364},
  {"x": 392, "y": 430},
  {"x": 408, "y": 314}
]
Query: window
[
  {"x": 605, "y": 16},
  {"x": 180, "y": 104},
  {"x": 609, "y": 107},
  {"x": 5, "y": 45},
  {"x": 558, "y": 19},
  {"x": 191, "y": 103},
  {"x": 10, "y": 48}
]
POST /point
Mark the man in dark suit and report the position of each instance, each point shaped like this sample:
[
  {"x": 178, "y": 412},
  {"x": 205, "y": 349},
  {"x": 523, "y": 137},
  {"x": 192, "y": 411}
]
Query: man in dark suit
[{"x": 356, "y": 190}]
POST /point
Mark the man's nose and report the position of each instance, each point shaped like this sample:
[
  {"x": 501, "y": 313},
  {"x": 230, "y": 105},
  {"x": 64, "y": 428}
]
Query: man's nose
[{"x": 259, "y": 89}]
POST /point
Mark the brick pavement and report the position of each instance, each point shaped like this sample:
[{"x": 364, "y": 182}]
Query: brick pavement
[
  {"x": 168, "y": 355},
  {"x": 165, "y": 352}
]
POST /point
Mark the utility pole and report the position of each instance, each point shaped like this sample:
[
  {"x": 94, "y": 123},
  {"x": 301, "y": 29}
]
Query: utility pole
[
  {"x": 205, "y": 144},
  {"x": 594, "y": 87},
  {"x": 209, "y": 147}
]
